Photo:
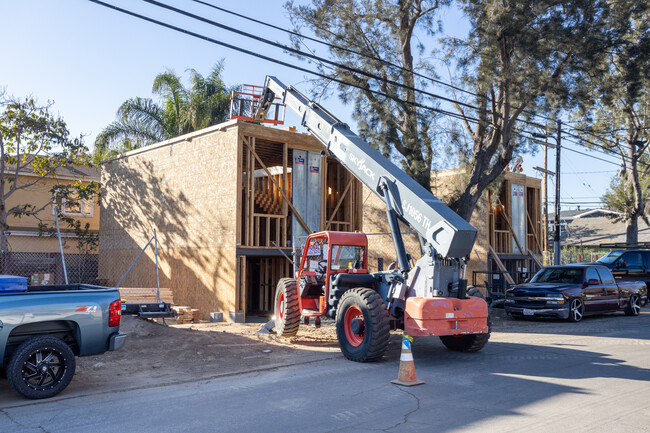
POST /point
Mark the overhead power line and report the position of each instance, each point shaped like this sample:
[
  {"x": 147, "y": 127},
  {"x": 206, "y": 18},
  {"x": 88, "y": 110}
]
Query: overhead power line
[
  {"x": 316, "y": 73},
  {"x": 273, "y": 60}
]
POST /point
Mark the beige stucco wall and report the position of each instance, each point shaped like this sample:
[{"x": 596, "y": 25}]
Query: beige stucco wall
[{"x": 39, "y": 194}]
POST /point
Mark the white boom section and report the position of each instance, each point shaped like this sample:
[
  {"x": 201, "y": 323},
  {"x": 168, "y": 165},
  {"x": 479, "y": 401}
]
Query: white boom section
[{"x": 442, "y": 228}]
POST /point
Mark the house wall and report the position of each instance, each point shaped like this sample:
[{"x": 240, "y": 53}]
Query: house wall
[
  {"x": 186, "y": 190},
  {"x": 39, "y": 195}
]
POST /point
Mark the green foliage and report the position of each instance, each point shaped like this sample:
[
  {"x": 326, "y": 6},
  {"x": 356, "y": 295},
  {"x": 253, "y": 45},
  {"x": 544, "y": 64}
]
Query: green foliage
[
  {"x": 614, "y": 112},
  {"x": 143, "y": 121},
  {"x": 388, "y": 30},
  {"x": 34, "y": 141},
  {"x": 621, "y": 198}
]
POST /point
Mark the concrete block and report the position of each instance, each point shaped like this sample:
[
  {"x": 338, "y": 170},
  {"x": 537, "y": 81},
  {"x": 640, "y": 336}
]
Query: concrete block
[
  {"x": 237, "y": 317},
  {"x": 216, "y": 317}
]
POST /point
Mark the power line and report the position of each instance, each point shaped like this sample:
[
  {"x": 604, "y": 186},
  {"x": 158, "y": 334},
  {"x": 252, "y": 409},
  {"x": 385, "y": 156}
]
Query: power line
[
  {"x": 305, "y": 54},
  {"x": 292, "y": 66},
  {"x": 279, "y": 62}
]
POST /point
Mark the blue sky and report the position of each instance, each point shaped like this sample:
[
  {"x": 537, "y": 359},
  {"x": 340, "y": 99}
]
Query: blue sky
[{"x": 89, "y": 59}]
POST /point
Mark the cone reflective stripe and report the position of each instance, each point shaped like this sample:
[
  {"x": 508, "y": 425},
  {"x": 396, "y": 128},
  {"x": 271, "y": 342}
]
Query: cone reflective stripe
[{"x": 406, "y": 375}]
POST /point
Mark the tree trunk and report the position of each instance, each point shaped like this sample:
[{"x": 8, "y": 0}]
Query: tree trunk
[{"x": 632, "y": 230}]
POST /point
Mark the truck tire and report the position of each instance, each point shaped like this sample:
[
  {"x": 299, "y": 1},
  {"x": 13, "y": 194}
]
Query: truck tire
[
  {"x": 467, "y": 343},
  {"x": 41, "y": 367},
  {"x": 287, "y": 310},
  {"x": 362, "y": 325},
  {"x": 633, "y": 306}
]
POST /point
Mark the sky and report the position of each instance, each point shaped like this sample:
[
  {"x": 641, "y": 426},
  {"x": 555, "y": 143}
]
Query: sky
[{"x": 88, "y": 59}]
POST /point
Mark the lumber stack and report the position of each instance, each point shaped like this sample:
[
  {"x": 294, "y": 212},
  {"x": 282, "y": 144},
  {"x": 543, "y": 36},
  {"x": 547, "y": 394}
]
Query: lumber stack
[{"x": 187, "y": 314}]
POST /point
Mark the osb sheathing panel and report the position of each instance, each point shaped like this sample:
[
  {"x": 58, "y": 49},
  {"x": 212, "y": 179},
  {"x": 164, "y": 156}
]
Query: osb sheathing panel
[{"x": 187, "y": 192}]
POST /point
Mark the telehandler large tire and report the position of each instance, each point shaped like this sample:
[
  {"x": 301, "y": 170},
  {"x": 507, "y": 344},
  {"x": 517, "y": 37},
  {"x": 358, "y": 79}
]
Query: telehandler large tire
[
  {"x": 286, "y": 308},
  {"x": 362, "y": 325}
]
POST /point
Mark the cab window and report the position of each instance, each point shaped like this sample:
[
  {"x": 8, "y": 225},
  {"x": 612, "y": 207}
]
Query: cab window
[
  {"x": 316, "y": 253},
  {"x": 591, "y": 274},
  {"x": 606, "y": 276},
  {"x": 634, "y": 259},
  {"x": 347, "y": 257}
]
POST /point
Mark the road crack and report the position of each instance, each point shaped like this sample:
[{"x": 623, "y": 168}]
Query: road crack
[
  {"x": 407, "y": 414},
  {"x": 10, "y": 418}
]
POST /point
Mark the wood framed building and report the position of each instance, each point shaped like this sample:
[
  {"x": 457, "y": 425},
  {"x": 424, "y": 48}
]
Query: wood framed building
[
  {"x": 228, "y": 203},
  {"x": 509, "y": 221}
]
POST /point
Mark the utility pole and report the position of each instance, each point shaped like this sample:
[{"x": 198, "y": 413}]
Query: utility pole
[
  {"x": 545, "y": 231},
  {"x": 556, "y": 226}
]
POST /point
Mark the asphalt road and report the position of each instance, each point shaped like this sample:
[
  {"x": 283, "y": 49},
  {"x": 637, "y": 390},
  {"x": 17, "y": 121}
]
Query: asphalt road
[{"x": 536, "y": 376}]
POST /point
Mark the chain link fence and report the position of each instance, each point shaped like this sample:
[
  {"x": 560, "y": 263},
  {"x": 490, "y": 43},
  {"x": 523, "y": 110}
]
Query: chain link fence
[
  {"x": 103, "y": 267},
  {"x": 47, "y": 268}
]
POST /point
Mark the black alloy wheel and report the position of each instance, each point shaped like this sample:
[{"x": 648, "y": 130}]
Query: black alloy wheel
[{"x": 41, "y": 367}]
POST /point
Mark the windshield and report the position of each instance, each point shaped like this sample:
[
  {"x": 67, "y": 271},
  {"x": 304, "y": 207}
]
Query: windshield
[
  {"x": 559, "y": 275},
  {"x": 610, "y": 257}
]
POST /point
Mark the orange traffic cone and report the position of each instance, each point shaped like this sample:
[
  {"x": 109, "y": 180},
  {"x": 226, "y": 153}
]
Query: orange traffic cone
[{"x": 406, "y": 375}]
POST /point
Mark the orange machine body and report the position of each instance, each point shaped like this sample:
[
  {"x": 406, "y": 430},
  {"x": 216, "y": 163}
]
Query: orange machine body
[{"x": 445, "y": 316}]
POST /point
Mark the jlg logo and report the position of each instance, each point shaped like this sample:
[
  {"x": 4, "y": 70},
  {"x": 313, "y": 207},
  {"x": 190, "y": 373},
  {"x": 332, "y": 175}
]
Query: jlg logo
[{"x": 361, "y": 165}]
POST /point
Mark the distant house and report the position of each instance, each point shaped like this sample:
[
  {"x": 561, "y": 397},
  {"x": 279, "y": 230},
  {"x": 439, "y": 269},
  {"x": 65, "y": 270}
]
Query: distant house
[
  {"x": 591, "y": 227},
  {"x": 30, "y": 252}
]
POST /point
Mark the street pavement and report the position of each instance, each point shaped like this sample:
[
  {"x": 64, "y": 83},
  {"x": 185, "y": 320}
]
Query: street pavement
[{"x": 533, "y": 376}]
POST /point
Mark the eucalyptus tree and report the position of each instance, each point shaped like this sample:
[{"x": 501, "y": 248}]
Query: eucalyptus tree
[
  {"x": 519, "y": 58},
  {"x": 374, "y": 41},
  {"x": 616, "y": 119}
]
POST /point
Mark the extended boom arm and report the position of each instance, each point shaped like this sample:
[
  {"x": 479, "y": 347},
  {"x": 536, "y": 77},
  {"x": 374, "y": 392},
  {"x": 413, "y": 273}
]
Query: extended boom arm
[{"x": 448, "y": 233}]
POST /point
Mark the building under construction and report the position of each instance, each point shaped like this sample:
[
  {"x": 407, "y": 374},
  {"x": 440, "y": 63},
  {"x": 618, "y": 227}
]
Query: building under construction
[{"x": 228, "y": 203}]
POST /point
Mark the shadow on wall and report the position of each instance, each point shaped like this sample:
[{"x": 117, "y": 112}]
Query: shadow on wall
[{"x": 138, "y": 198}]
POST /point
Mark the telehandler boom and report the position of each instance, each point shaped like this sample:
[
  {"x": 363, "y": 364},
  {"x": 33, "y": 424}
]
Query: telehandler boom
[{"x": 428, "y": 299}]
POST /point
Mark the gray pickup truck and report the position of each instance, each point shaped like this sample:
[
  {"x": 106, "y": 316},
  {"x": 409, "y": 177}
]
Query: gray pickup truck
[{"x": 43, "y": 328}]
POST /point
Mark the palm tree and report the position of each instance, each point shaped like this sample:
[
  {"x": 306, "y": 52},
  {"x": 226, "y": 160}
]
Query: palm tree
[{"x": 142, "y": 121}]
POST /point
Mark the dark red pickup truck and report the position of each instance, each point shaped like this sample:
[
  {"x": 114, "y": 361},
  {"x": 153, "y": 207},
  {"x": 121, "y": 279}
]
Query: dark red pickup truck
[{"x": 571, "y": 291}]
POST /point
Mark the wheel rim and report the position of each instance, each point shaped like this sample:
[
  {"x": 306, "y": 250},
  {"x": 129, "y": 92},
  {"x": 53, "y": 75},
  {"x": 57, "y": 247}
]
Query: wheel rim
[
  {"x": 354, "y": 326},
  {"x": 43, "y": 369},
  {"x": 636, "y": 307},
  {"x": 281, "y": 306},
  {"x": 576, "y": 309}
]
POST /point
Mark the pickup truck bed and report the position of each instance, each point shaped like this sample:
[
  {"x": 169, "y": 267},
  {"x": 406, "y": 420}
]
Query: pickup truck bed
[{"x": 56, "y": 321}]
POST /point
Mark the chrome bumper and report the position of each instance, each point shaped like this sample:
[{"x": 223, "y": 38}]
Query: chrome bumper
[
  {"x": 562, "y": 313},
  {"x": 116, "y": 341}
]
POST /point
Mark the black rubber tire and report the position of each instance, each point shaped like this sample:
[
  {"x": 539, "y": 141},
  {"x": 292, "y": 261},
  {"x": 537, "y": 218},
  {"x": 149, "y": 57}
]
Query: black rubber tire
[
  {"x": 467, "y": 343},
  {"x": 633, "y": 306},
  {"x": 287, "y": 322},
  {"x": 56, "y": 373},
  {"x": 376, "y": 325},
  {"x": 576, "y": 310}
]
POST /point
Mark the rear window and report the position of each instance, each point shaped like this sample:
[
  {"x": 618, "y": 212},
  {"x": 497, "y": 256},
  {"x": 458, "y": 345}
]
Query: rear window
[{"x": 559, "y": 275}]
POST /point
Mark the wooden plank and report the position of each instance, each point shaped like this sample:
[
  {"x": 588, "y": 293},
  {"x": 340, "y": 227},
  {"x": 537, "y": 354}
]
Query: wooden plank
[
  {"x": 285, "y": 182},
  {"x": 239, "y": 198},
  {"x": 338, "y": 205},
  {"x": 500, "y": 265},
  {"x": 293, "y": 139},
  {"x": 512, "y": 232},
  {"x": 539, "y": 246},
  {"x": 268, "y": 173},
  {"x": 535, "y": 259}
]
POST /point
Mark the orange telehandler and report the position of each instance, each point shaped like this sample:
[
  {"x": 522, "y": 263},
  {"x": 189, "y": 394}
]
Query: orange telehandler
[{"x": 332, "y": 280}]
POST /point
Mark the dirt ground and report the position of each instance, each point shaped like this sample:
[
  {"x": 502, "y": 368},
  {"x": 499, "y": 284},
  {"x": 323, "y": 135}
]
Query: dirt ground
[
  {"x": 176, "y": 353},
  {"x": 158, "y": 354}
]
